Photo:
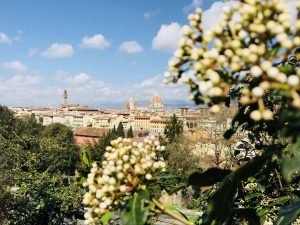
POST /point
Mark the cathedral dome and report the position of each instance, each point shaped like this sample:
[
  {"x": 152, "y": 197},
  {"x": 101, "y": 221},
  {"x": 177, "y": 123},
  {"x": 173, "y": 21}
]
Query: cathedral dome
[{"x": 156, "y": 102}]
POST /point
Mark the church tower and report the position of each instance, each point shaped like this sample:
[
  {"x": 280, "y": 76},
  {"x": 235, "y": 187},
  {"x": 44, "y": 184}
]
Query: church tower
[
  {"x": 132, "y": 104},
  {"x": 65, "y": 97}
]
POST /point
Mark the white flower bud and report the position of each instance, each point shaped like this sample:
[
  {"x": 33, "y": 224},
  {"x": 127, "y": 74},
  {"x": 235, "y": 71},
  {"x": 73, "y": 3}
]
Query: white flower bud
[
  {"x": 123, "y": 188},
  {"x": 148, "y": 176},
  {"x": 257, "y": 92},
  {"x": 215, "y": 109},
  {"x": 256, "y": 71},
  {"x": 264, "y": 85},
  {"x": 256, "y": 115},
  {"x": 272, "y": 72},
  {"x": 266, "y": 65},
  {"x": 267, "y": 115},
  {"x": 293, "y": 80}
]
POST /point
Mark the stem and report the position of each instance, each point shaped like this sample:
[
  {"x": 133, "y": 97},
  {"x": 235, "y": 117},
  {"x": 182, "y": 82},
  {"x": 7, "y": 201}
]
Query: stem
[
  {"x": 171, "y": 213},
  {"x": 279, "y": 179}
]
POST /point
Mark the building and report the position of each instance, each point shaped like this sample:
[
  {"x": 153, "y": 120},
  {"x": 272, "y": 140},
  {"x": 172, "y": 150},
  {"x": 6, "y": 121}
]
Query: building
[
  {"x": 156, "y": 102},
  {"x": 132, "y": 104}
]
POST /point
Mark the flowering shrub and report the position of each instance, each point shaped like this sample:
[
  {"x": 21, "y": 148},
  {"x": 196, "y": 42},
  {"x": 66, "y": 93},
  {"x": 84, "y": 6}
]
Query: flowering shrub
[
  {"x": 126, "y": 167},
  {"x": 247, "y": 43},
  {"x": 250, "y": 57}
]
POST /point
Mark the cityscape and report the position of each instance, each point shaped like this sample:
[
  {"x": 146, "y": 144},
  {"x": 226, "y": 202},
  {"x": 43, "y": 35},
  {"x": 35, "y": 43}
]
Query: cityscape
[{"x": 129, "y": 112}]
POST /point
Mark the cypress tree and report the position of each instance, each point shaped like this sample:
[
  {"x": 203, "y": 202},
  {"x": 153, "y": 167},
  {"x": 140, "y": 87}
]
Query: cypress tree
[
  {"x": 120, "y": 130},
  {"x": 130, "y": 133}
]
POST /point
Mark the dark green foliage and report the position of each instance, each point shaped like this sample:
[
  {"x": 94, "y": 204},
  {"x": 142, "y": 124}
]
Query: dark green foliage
[
  {"x": 29, "y": 125},
  {"x": 41, "y": 199},
  {"x": 38, "y": 163},
  {"x": 288, "y": 214},
  {"x": 130, "y": 133},
  {"x": 207, "y": 178},
  {"x": 173, "y": 129},
  {"x": 61, "y": 133},
  {"x": 120, "y": 130},
  {"x": 93, "y": 152}
]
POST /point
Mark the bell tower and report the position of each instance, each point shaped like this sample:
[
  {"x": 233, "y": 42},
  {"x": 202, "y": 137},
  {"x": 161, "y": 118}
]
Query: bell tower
[{"x": 65, "y": 97}]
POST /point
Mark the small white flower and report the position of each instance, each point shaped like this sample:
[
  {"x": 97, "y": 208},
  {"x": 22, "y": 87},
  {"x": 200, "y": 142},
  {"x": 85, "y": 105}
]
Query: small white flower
[
  {"x": 293, "y": 80},
  {"x": 267, "y": 115},
  {"x": 257, "y": 92},
  {"x": 256, "y": 71},
  {"x": 215, "y": 109},
  {"x": 148, "y": 176},
  {"x": 256, "y": 115}
]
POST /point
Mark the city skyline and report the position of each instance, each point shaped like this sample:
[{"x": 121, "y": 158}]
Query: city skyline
[{"x": 102, "y": 52}]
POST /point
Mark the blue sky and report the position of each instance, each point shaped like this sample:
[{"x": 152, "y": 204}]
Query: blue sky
[{"x": 101, "y": 51}]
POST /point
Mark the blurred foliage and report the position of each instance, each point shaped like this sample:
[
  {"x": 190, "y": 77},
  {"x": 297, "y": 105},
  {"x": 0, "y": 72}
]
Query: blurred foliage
[{"x": 36, "y": 163}]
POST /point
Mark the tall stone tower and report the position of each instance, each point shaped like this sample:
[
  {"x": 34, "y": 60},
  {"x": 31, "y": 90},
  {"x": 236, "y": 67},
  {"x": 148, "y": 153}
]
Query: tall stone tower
[
  {"x": 132, "y": 104},
  {"x": 65, "y": 97}
]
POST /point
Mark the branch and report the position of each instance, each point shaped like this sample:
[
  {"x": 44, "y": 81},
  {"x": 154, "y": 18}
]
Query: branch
[{"x": 171, "y": 213}]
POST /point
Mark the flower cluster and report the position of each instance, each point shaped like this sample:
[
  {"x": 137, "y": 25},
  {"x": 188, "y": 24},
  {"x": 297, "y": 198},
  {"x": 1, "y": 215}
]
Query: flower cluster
[
  {"x": 251, "y": 187},
  {"x": 126, "y": 166},
  {"x": 245, "y": 44}
]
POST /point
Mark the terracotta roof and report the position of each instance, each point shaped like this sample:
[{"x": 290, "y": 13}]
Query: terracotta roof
[
  {"x": 142, "y": 117},
  {"x": 156, "y": 100},
  {"x": 90, "y": 132}
]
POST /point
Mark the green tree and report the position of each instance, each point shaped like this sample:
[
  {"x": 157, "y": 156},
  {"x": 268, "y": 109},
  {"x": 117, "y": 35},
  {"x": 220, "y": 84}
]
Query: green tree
[
  {"x": 130, "y": 133},
  {"x": 29, "y": 125},
  {"x": 34, "y": 188},
  {"x": 120, "y": 130},
  {"x": 173, "y": 129},
  {"x": 61, "y": 133}
]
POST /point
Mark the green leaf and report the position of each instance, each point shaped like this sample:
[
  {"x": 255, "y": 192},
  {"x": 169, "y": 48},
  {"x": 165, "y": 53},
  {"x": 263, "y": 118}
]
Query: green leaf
[
  {"x": 288, "y": 214},
  {"x": 281, "y": 200},
  {"x": 291, "y": 163},
  {"x": 274, "y": 50},
  {"x": 136, "y": 212},
  {"x": 106, "y": 217},
  {"x": 220, "y": 203},
  {"x": 85, "y": 158},
  {"x": 208, "y": 178},
  {"x": 288, "y": 70}
]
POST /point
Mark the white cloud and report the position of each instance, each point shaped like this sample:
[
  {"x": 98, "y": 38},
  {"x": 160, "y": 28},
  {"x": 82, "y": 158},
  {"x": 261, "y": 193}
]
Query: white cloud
[
  {"x": 4, "y": 39},
  {"x": 15, "y": 65},
  {"x": 192, "y": 6},
  {"x": 32, "y": 52},
  {"x": 131, "y": 47},
  {"x": 84, "y": 89},
  {"x": 58, "y": 50},
  {"x": 167, "y": 37},
  {"x": 79, "y": 79},
  {"x": 20, "y": 80},
  {"x": 97, "y": 41}
]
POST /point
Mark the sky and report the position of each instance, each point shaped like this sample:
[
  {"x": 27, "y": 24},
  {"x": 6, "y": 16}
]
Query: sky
[{"x": 102, "y": 52}]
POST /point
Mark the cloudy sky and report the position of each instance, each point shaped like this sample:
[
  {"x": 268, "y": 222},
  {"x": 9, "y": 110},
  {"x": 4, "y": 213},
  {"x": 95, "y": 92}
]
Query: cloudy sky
[{"x": 101, "y": 51}]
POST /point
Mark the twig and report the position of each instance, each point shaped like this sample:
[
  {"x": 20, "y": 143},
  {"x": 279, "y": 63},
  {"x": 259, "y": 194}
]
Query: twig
[{"x": 171, "y": 213}]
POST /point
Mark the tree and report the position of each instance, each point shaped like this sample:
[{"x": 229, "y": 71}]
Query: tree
[
  {"x": 60, "y": 132},
  {"x": 29, "y": 125},
  {"x": 34, "y": 188},
  {"x": 120, "y": 130},
  {"x": 173, "y": 129},
  {"x": 130, "y": 133}
]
